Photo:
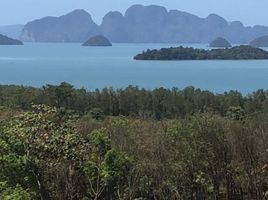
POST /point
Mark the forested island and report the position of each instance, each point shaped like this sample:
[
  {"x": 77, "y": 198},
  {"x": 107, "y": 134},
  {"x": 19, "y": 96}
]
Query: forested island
[
  {"x": 243, "y": 52},
  {"x": 59, "y": 142},
  {"x": 220, "y": 42},
  {"x": 98, "y": 40}
]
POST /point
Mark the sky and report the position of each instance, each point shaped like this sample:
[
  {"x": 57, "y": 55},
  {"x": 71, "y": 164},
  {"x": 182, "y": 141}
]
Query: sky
[{"x": 250, "y": 12}]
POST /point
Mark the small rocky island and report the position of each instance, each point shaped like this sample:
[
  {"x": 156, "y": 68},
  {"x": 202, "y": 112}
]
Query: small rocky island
[
  {"x": 220, "y": 43},
  {"x": 4, "y": 40},
  {"x": 98, "y": 40},
  {"x": 260, "y": 42},
  {"x": 243, "y": 52}
]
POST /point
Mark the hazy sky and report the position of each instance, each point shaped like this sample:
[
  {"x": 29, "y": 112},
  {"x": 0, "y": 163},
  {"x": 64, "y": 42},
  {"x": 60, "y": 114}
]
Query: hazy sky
[{"x": 250, "y": 12}]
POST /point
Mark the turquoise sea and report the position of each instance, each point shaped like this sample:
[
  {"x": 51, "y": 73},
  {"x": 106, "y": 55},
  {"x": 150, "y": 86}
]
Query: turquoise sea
[{"x": 38, "y": 64}]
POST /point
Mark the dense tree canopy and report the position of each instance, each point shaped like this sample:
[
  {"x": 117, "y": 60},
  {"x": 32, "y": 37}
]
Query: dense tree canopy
[
  {"x": 63, "y": 143},
  {"x": 133, "y": 101},
  {"x": 242, "y": 52}
]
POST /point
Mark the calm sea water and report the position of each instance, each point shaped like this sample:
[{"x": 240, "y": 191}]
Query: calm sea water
[{"x": 38, "y": 64}]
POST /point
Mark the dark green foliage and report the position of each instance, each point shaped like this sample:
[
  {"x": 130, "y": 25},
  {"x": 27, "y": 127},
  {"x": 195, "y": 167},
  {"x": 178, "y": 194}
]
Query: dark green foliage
[
  {"x": 14, "y": 193},
  {"x": 132, "y": 101},
  {"x": 97, "y": 113},
  {"x": 43, "y": 153},
  {"x": 242, "y": 52},
  {"x": 4, "y": 40}
]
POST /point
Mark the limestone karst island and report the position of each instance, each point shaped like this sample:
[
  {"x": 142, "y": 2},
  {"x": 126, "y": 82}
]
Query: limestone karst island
[{"x": 98, "y": 40}]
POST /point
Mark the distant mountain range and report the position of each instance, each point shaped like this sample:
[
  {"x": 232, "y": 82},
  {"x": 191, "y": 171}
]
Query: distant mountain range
[
  {"x": 76, "y": 26},
  {"x": 140, "y": 24}
]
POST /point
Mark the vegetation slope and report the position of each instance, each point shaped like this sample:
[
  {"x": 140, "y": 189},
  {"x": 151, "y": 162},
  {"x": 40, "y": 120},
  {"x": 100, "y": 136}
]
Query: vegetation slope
[{"x": 62, "y": 143}]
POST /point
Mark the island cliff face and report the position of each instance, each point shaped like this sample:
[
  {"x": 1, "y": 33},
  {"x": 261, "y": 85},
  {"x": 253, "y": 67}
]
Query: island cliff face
[
  {"x": 113, "y": 26},
  {"x": 140, "y": 24},
  {"x": 76, "y": 26},
  {"x": 156, "y": 24},
  {"x": 98, "y": 40},
  {"x": 260, "y": 42},
  {"x": 4, "y": 40}
]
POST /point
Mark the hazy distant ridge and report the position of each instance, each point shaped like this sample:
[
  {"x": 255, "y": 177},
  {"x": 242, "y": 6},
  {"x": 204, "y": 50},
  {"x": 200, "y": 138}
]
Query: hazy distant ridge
[
  {"x": 148, "y": 24},
  {"x": 76, "y": 26},
  {"x": 12, "y": 31}
]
